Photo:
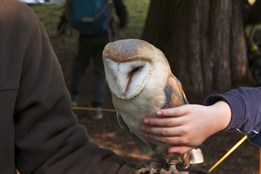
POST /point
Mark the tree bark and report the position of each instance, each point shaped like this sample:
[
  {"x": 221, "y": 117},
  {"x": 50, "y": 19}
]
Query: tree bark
[{"x": 202, "y": 39}]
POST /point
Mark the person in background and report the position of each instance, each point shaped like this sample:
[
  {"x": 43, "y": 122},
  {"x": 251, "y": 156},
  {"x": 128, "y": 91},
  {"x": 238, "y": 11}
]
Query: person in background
[
  {"x": 190, "y": 125},
  {"x": 39, "y": 132},
  {"x": 90, "y": 47},
  {"x": 122, "y": 14}
]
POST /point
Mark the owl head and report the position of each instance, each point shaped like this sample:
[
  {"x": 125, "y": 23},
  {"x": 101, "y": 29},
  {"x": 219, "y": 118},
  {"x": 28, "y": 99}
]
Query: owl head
[{"x": 129, "y": 65}]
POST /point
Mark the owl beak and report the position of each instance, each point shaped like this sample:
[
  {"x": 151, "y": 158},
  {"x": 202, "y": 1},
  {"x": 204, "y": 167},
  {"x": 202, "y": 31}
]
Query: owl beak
[{"x": 123, "y": 84}]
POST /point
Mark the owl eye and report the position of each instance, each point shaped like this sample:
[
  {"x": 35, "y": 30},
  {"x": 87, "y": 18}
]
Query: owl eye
[{"x": 134, "y": 70}]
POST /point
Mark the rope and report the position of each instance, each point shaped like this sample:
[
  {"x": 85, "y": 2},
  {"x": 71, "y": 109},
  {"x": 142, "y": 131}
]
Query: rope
[
  {"x": 228, "y": 153},
  {"x": 93, "y": 109}
]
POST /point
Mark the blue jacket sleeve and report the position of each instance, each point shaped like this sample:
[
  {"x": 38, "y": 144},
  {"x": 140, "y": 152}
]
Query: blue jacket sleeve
[{"x": 245, "y": 104}]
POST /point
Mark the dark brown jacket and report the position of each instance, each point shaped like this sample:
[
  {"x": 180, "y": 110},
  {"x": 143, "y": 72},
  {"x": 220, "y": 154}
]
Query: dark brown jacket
[{"x": 38, "y": 130}]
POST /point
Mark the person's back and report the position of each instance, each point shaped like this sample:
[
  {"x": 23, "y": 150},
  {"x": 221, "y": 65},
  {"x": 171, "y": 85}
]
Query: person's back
[{"x": 39, "y": 131}]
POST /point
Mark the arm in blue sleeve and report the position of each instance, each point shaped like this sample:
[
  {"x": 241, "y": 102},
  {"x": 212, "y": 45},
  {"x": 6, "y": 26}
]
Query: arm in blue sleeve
[{"x": 245, "y": 104}]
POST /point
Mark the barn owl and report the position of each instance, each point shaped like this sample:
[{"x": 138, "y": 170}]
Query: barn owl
[{"x": 141, "y": 82}]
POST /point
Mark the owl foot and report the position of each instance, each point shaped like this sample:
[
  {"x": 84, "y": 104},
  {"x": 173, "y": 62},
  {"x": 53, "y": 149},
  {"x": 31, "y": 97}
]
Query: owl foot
[{"x": 161, "y": 167}]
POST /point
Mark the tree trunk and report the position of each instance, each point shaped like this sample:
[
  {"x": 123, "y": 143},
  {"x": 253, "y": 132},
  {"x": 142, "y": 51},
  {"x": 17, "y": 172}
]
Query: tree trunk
[{"x": 202, "y": 39}]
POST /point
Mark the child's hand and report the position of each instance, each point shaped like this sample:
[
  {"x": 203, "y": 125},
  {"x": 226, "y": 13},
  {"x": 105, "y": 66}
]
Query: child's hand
[{"x": 187, "y": 126}]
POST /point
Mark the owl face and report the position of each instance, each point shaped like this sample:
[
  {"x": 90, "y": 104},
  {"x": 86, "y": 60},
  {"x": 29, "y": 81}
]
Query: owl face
[
  {"x": 130, "y": 64},
  {"x": 127, "y": 79}
]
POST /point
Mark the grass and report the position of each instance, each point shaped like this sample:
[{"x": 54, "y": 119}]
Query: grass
[
  {"x": 49, "y": 16},
  {"x": 137, "y": 16}
]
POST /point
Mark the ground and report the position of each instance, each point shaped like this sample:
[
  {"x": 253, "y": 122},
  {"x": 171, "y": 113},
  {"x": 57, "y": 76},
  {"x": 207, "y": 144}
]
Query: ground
[{"x": 107, "y": 133}]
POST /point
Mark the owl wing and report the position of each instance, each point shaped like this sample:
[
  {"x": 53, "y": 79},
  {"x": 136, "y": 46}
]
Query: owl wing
[
  {"x": 144, "y": 147},
  {"x": 121, "y": 122},
  {"x": 174, "y": 93}
]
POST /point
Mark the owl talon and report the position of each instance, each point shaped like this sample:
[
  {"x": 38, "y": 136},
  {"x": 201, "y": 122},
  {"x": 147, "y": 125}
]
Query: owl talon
[
  {"x": 161, "y": 167},
  {"x": 146, "y": 170}
]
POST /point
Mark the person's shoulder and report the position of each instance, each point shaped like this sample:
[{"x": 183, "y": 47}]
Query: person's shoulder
[
  {"x": 13, "y": 6},
  {"x": 16, "y": 12}
]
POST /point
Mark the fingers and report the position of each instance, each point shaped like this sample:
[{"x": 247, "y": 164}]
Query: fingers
[
  {"x": 169, "y": 135},
  {"x": 162, "y": 122},
  {"x": 171, "y": 112},
  {"x": 167, "y": 117},
  {"x": 179, "y": 149},
  {"x": 167, "y": 139},
  {"x": 161, "y": 131}
]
